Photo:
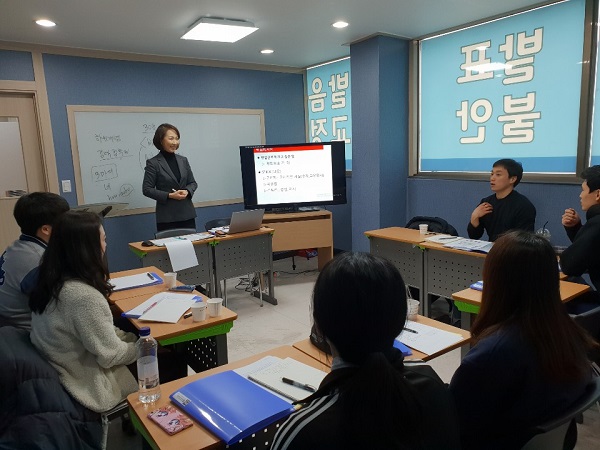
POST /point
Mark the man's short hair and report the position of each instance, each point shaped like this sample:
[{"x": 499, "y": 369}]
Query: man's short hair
[
  {"x": 514, "y": 168},
  {"x": 37, "y": 209},
  {"x": 591, "y": 175}
]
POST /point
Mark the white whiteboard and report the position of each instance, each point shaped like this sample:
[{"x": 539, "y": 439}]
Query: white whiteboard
[{"x": 110, "y": 146}]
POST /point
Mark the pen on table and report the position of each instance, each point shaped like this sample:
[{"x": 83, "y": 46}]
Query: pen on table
[
  {"x": 412, "y": 331},
  {"x": 150, "y": 276},
  {"x": 186, "y": 315},
  {"x": 149, "y": 307},
  {"x": 306, "y": 387}
]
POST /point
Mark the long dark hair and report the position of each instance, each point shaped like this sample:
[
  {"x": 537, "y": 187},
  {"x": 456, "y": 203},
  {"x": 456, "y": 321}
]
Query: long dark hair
[
  {"x": 359, "y": 305},
  {"x": 74, "y": 252},
  {"x": 521, "y": 290}
]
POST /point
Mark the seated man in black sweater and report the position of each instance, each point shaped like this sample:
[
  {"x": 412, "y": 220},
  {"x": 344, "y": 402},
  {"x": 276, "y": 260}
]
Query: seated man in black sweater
[
  {"x": 583, "y": 255},
  {"x": 506, "y": 209}
]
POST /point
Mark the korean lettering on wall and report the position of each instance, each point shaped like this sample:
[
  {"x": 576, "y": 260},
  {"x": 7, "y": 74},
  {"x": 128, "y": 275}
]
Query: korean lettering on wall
[
  {"x": 518, "y": 114},
  {"x": 508, "y": 88},
  {"x": 329, "y": 105}
]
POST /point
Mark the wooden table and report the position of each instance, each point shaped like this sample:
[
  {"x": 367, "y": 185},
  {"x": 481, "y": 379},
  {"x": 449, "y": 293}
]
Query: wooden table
[
  {"x": 197, "y": 437},
  {"x": 402, "y": 247},
  {"x": 145, "y": 291},
  {"x": 307, "y": 347},
  {"x": 219, "y": 258},
  {"x": 468, "y": 301},
  {"x": 203, "y": 343},
  {"x": 302, "y": 230}
]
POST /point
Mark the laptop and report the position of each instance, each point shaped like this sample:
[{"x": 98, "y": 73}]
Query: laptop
[{"x": 248, "y": 220}]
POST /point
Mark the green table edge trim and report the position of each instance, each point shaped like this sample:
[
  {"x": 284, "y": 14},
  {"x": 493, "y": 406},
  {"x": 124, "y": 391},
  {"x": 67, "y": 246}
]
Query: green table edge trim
[
  {"x": 466, "y": 307},
  {"x": 140, "y": 428},
  {"x": 216, "y": 330},
  {"x": 138, "y": 253}
]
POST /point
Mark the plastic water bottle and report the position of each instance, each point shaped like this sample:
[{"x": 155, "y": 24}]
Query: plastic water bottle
[{"x": 147, "y": 367}]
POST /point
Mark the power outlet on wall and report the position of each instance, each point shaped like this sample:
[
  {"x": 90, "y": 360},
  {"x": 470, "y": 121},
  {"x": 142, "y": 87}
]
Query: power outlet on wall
[{"x": 66, "y": 185}]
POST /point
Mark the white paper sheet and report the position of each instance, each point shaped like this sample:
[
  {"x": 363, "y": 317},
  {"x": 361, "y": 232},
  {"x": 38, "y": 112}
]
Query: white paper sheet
[
  {"x": 428, "y": 340},
  {"x": 470, "y": 245},
  {"x": 182, "y": 254},
  {"x": 167, "y": 307},
  {"x": 186, "y": 237},
  {"x": 133, "y": 281},
  {"x": 443, "y": 238}
]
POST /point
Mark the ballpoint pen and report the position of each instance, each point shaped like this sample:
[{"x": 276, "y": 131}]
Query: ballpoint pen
[
  {"x": 306, "y": 387},
  {"x": 412, "y": 331},
  {"x": 149, "y": 307},
  {"x": 150, "y": 276}
]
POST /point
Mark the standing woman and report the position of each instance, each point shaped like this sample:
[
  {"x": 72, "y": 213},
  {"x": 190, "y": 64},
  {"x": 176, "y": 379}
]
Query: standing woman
[
  {"x": 169, "y": 180},
  {"x": 71, "y": 322},
  {"x": 529, "y": 359}
]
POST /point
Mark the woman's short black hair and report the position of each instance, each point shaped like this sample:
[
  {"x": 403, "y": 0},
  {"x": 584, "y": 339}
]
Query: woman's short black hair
[{"x": 160, "y": 133}]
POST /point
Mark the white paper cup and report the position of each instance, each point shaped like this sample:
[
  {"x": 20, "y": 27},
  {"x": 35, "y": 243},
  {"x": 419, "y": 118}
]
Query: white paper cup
[
  {"x": 170, "y": 279},
  {"x": 199, "y": 311},
  {"x": 423, "y": 228},
  {"x": 215, "y": 307},
  {"x": 413, "y": 309}
]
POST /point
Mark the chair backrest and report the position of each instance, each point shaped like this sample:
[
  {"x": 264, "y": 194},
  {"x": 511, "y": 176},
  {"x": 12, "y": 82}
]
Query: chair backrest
[
  {"x": 35, "y": 410},
  {"x": 590, "y": 321},
  {"x": 174, "y": 232},
  {"x": 217, "y": 223},
  {"x": 435, "y": 224},
  {"x": 551, "y": 434}
]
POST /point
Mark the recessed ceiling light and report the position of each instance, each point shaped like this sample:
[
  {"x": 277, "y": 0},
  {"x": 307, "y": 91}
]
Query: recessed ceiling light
[
  {"x": 219, "y": 30},
  {"x": 45, "y": 23},
  {"x": 340, "y": 24},
  {"x": 267, "y": 51}
]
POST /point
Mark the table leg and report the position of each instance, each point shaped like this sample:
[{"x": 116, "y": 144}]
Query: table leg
[
  {"x": 270, "y": 297},
  {"x": 465, "y": 324},
  {"x": 222, "y": 358},
  {"x": 325, "y": 254}
]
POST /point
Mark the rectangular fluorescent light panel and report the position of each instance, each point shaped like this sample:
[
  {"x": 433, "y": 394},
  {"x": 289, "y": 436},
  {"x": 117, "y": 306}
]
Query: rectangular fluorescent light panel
[{"x": 219, "y": 30}]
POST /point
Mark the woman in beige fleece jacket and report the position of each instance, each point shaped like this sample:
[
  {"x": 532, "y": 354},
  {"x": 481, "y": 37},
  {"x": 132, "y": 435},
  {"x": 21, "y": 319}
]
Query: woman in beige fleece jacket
[{"x": 72, "y": 324}]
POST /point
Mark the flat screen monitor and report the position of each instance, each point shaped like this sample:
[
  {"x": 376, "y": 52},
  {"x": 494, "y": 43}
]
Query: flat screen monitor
[{"x": 292, "y": 177}]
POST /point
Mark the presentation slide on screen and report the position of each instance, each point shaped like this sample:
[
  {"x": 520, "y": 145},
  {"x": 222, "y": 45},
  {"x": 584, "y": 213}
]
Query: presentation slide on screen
[{"x": 293, "y": 174}]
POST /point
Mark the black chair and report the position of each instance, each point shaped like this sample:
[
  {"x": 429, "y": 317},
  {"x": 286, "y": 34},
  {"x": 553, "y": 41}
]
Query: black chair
[
  {"x": 554, "y": 434},
  {"x": 174, "y": 232},
  {"x": 216, "y": 223},
  {"x": 435, "y": 224}
]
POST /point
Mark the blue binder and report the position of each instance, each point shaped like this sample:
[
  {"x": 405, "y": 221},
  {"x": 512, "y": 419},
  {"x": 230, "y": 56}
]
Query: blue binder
[
  {"x": 230, "y": 406},
  {"x": 403, "y": 348}
]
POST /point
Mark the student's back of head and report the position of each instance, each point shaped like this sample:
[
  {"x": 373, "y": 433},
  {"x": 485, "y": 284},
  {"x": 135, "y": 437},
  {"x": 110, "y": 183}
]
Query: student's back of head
[
  {"x": 359, "y": 306},
  {"x": 37, "y": 209},
  {"x": 521, "y": 289}
]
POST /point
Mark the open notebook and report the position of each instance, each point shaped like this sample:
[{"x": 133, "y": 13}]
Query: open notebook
[{"x": 271, "y": 377}]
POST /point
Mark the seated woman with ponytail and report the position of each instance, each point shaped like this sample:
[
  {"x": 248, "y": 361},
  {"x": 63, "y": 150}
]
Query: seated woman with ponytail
[{"x": 371, "y": 399}]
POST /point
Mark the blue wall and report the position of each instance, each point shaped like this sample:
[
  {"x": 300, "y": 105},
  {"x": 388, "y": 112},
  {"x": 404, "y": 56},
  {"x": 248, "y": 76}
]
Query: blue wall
[
  {"x": 16, "y": 66},
  {"x": 380, "y": 132}
]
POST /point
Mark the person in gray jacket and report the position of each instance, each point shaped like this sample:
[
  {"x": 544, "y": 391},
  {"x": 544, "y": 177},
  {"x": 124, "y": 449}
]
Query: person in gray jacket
[
  {"x": 35, "y": 214},
  {"x": 169, "y": 180}
]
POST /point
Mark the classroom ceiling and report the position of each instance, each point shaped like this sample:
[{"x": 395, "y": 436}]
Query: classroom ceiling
[{"x": 299, "y": 31}]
